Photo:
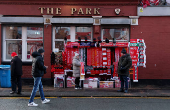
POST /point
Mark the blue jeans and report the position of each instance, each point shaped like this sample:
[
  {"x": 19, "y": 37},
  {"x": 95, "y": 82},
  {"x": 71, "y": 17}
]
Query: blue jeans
[
  {"x": 124, "y": 80},
  {"x": 37, "y": 84}
]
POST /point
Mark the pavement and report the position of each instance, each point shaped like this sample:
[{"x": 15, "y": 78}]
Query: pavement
[{"x": 50, "y": 91}]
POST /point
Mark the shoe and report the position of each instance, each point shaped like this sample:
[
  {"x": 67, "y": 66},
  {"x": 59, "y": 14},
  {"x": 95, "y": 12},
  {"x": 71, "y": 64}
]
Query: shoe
[
  {"x": 32, "y": 104},
  {"x": 12, "y": 92},
  {"x": 126, "y": 91},
  {"x": 121, "y": 90},
  {"x": 79, "y": 88},
  {"x": 19, "y": 93},
  {"x": 76, "y": 88},
  {"x": 45, "y": 101}
]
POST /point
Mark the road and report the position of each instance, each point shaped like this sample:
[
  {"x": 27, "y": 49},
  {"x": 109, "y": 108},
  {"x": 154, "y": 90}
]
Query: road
[{"x": 87, "y": 103}]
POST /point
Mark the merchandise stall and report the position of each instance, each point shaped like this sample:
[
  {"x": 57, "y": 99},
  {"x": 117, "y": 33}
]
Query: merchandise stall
[{"x": 99, "y": 62}]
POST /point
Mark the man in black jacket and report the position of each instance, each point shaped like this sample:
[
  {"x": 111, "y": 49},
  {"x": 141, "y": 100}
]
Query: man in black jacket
[
  {"x": 38, "y": 70},
  {"x": 16, "y": 73},
  {"x": 125, "y": 62}
]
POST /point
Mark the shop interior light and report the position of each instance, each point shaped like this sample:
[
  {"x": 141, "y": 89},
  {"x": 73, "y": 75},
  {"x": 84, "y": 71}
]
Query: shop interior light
[{"x": 11, "y": 27}]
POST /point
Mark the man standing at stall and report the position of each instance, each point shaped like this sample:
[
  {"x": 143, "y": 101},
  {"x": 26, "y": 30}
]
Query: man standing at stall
[
  {"x": 16, "y": 73},
  {"x": 125, "y": 62},
  {"x": 76, "y": 70},
  {"x": 38, "y": 70}
]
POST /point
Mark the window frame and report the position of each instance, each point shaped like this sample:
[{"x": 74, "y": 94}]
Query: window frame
[
  {"x": 72, "y": 34},
  {"x": 24, "y": 41},
  {"x": 114, "y": 27}
]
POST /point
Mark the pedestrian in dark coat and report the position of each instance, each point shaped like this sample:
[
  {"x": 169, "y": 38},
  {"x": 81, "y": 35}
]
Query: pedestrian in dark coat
[
  {"x": 16, "y": 73},
  {"x": 38, "y": 70},
  {"x": 125, "y": 62}
]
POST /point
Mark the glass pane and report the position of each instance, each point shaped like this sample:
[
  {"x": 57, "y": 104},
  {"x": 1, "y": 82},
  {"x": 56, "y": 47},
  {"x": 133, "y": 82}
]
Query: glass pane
[
  {"x": 59, "y": 45},
  {"x": 13, "y": 46},
  {"x": 13, "y": 32},
  {"x": 118, "y": 34},
  {"x": 34, "y": 33},
  {"x": 62, "y": 32},
  {"x": 33, "y": 46},
  {"x": 83, "y": 32}
]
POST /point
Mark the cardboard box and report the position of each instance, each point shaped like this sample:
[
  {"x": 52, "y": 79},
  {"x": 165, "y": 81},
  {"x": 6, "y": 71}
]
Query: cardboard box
[
  {"x": 90, "y": 83},
  {"x": 106, "y": 84},
  {"x": 58, "y": 80},
  {"x": 118, "y": 83},
  {"x": 70, "y": 82}
]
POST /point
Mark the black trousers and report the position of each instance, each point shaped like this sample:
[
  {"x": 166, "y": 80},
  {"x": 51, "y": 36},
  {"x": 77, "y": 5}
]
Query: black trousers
[
  {"x": 77, "y": 81},
  {"x": 16, "y": 81}
]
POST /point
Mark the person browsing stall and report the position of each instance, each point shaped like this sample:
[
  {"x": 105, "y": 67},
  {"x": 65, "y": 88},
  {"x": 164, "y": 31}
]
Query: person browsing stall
[{"x": 125, "y": 62}]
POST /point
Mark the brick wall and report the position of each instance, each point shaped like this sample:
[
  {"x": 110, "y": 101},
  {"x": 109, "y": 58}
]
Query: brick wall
[
  {"x": 156, "y": 33},
  {"x": 96, "y": 31},
  {"x": 0, "y": 44},
  {"x": 26, "y": 71},
  {"x": 48, "y": 49}
]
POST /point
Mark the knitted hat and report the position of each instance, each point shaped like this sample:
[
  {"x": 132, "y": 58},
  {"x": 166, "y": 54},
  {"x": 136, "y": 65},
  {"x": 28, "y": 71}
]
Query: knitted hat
[
  {"x": 41, "y": 50},
  {"x": 123, "y": 51},
  {"x": 13, "y": 54},
  {"x": 76, "y": 54}
]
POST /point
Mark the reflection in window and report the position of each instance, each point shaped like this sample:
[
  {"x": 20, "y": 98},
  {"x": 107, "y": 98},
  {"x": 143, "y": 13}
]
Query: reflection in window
[
  {"x": 118, "y": 34},
  {"x": 13, "y": 46},
  {"x": 33, "y": 46},
  {"x": 13, "y": 32},
  {"x": 34, "y": 33},
  {"x": 83, "y": 32},
  {"x": 62, "y": 32},
  {"x": 59, "y": 45}
]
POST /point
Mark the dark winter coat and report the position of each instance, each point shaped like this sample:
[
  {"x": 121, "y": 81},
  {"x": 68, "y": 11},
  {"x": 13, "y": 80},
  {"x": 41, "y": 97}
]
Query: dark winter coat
[
  {"x": 16, "y": 66},
  {"x": 125, "y": 62},
  {"x": 38, "y": 68},
  {"x": 76, "y": 67}
]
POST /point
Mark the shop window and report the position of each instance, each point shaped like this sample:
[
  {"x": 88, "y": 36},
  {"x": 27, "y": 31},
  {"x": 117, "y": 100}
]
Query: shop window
[
  {"x": 13, "y": 46},
  {"x": 59, "y": 45},
  {"x": 60, "y": 34},
  {"x": 119, "y": 34},
  {"x": 22, "y": 40},
  {"x": 83, "y": 32},
  {"x": 13, "y": 39},
  {"x": 34, "y": 40},
  {"x": 71, "y": 33}
]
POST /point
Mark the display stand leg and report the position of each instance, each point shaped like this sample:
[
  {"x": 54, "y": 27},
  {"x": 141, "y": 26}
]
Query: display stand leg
[{"x": 64, "y": 79}]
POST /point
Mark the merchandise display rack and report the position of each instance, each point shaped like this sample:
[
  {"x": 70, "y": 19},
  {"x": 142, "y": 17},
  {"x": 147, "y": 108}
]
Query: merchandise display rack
[{"x": 100, "y": 61}]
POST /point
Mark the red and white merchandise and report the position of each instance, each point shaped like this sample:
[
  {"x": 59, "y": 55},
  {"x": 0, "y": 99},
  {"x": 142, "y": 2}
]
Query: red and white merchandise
[
  {"x": 135, "y": 74},
  {"x": 117, "y": 84},
  {"x": 82, "y": 72},
  {"x": 89, "y": 57},
  {"x": 104, "y": 51},
  {"x": 58, "y": 80},
  {"x": 100, "y": 61},
  {"x": 116, "y": 62},
  {"x": 108, "y": 61},
  {"x": 134, "y": 53},
  {"x": 70, "y": 82},
  {"x": 106, "y": 84},
  {"x": 90, "y": 82}
]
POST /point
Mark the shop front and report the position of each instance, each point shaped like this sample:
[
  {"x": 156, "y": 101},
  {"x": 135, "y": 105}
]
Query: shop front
[{"x": 26, "y": 27}]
